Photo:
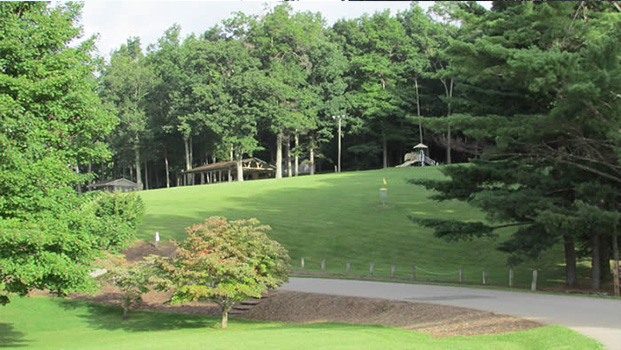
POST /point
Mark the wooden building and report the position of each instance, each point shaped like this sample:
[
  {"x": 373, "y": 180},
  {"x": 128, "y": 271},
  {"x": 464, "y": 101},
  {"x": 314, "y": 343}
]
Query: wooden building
[
  {"x": 253, "y": 168},
  {"x": 122, "y": 185}
]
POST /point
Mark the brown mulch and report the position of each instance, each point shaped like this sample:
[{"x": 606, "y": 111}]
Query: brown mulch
[
  {"x": 142, "y": 249},
  {"x": 284, "y": 306},
  {"x": 437, "y": 320}
]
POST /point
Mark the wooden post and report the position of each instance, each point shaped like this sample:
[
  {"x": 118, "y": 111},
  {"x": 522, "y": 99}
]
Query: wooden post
[
  {"x": 484, "y": 276},
  {"x": 323, "y": 265},
  {"x": 301, "y": 263},
  {"x": 347, "y": 267},
  {"x": 371, "y": 268},
  {"x": 510, "y": 278},
  {"x": 461, "y": 275},
  {"x": 413, "y": 271},
  {"x": 533, "y": 285},
  {"x": 392, "y": 271}
]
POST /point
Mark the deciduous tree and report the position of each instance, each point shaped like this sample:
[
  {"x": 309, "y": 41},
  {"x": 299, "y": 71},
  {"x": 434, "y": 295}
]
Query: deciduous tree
[{"x": 225, "y": 262}]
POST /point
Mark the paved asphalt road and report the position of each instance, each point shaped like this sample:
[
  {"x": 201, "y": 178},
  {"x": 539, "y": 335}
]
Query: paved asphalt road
[{"x": 594, "y": 317}]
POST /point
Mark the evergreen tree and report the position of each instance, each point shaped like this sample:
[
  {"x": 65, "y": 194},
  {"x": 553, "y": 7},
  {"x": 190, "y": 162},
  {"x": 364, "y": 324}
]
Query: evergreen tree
[{"x": 552, "y": 162}]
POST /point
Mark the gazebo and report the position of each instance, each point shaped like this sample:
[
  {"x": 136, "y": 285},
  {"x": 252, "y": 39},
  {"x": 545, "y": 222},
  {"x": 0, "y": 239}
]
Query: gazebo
[{"x": 254, "y": 168}]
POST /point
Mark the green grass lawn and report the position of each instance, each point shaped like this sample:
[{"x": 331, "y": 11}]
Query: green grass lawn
[
  {"x": 340, "y": 217},
  {"x": 45, "y": 323}
]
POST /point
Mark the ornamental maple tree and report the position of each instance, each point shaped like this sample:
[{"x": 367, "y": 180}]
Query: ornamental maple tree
[
  {"x": 224, "y": 262},
  {"x": 131, "y": 279}
]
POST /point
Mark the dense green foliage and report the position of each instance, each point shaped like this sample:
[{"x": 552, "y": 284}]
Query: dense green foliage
[
  {"x": 52, "y": 121},
  {"x": 41, "y": 323},
  {"x": 342, "y": 219},
  {"x": 225, "y": 262},
  {"x": 269, "y": 86},
  {"x": 543, "y": 99}
]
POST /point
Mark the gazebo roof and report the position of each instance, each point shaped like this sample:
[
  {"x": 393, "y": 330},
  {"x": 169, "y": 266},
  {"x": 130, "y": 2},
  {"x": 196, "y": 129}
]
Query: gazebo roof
[{"x": 420, "y": 145}]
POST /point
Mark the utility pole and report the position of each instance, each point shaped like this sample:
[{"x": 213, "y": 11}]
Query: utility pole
[{"x": 339, "y": 118}]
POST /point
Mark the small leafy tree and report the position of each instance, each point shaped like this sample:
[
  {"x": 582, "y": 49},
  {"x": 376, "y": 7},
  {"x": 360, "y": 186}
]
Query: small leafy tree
[
  {"x": 131, "y": 279},
  {"x": 114, "y": 218},
  {"x": 225, "y": 262}
]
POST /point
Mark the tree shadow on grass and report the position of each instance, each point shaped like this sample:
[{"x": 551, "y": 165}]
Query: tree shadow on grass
[
  {"x": 108, "y": 317},
  {"x": 10, "y": 338}
]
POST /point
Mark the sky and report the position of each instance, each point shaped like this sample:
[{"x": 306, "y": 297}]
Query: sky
[{"x": 115, "y": 21}]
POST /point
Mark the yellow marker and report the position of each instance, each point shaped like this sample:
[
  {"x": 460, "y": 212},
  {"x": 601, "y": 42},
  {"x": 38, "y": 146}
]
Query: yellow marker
[{"x": 385, "y": 181}]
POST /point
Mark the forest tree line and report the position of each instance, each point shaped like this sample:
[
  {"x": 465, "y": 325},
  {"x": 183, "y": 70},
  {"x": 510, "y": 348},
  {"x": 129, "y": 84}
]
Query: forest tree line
[{"x": 269, "y": 86}]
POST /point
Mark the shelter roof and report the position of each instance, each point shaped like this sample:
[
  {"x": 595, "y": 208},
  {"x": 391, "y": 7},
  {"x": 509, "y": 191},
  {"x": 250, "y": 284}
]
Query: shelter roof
[
  {"x": 231, "y": 165},
  {"x": 420, "y": 145},
  {"x": 115, "y": 182}
]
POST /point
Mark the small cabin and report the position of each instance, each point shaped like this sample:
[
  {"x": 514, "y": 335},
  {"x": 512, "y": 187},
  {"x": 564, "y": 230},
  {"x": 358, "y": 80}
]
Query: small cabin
[{"x": 121, "y": 184}]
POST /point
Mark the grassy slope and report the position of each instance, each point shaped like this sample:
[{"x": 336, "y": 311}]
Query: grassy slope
[
  {"x": 340, "y": 217},
  {"x": 42, "y": 323}
]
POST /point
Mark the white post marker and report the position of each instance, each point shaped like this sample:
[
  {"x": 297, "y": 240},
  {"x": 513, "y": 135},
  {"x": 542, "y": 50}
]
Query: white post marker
[{"x": 157, "y": 238}]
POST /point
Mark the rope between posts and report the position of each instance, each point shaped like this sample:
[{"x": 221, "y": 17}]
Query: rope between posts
[{"x": 436, "y": 273}]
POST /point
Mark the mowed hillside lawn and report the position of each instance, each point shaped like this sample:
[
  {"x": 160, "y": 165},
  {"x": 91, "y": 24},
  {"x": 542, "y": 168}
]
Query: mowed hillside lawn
[
  {"x": 50, "y": 324},
  {"x": 340, "y": 218}
]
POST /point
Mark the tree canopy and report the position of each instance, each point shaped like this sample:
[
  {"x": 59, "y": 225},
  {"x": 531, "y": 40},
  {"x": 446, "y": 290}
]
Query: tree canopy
[
  {"x": 224, "y": 262},
  {"x": 543, "y": 100},
  {"x": 52, "y": 122}
]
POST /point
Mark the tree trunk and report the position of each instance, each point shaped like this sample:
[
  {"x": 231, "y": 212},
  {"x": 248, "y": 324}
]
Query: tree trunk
[
  {"x": 188, "y": 162},
  {"x": 384, "y": 149},
  {"x": 138, "y": 173},
  {"x": 448, "y": 145},
  {"x": 312, "y": 159},
  {"x": 297, "y": 159},
  {"x": 279, "y": 137},
  {"x": 420, "y": 123},
  {"x": 604, "y": 259},
  {"x": 146, "y": 175},
  {"x": 615, "y": 259},
  {"x": 595, "y": 263},
  {"x": 157, "y": 178},
  {"x": 125, "y": 308},
  {"x": 167, "y": 170},
  {"x": 288, "y": 156},
  {"x": 191, "y": 155},
  {"x": 240, "y": 170},
  {"x": 571, "y": 277},
  {"x": 78, "y": 186},
  {"x": 225, "y": 316},
  {"x": 90, "y": 170}
]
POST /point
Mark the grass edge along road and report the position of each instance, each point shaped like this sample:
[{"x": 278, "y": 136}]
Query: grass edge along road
[
  {"x": 52, "y": 323},
  {"x": 340, "y": 218}
]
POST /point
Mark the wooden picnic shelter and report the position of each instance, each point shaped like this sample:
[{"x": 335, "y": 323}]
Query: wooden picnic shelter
[{"x": 253, "y": 168}]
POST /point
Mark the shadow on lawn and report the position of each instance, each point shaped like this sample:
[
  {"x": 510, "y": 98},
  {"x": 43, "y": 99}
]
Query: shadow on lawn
[
  {"x": 108, "y": 317},
  {"x": 10, "y": 338}
]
